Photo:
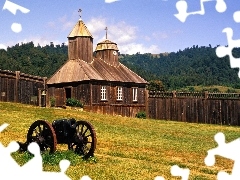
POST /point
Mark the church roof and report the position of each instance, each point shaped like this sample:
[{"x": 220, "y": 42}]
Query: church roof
[
  {"x": 80, "y": 30},
  {"x": 79, "y": 70},
  {"x": 106, "y": 44}
]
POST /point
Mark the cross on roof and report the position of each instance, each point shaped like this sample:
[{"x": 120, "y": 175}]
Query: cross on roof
[
  {"x": 80, "y": 11},
  {"x": 106, "y": 31}
]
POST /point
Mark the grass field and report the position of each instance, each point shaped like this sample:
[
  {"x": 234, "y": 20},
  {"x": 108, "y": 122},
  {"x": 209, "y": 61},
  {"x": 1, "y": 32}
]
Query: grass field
[
  {"x": 127, "y": 148},
  {"x": 214, "y": 88}
]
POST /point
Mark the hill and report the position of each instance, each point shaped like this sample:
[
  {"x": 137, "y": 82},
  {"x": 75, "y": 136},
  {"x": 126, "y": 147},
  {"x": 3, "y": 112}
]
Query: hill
[
  {"x": 38, "y": 61},
  {"x": 127, "y": 148},
  {"x": 195, "y": 66}
]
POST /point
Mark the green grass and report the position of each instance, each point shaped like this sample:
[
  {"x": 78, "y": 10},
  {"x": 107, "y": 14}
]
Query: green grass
[
  {"x": 213, "y": 88},
  {"x": 127, "y": 148}
]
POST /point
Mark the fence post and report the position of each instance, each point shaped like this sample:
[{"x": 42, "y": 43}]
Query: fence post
[
  {"x": 16, "y": 90},
  {"x": 45, "y": 91},
  {"x": 174, "y": 94},
  {"x": 147, "y": 102},
  {"x": 205, "y": 94},
  {"x": 40, "y": 97}
]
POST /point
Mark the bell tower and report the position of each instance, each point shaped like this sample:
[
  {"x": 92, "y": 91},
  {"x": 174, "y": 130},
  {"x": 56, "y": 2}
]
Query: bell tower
[
  {"x": 80, "y": 42},
  {"x": 107, "y": 51}
]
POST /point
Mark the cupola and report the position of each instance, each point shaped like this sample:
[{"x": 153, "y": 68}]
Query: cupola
[{"x": 107, "y": 51}]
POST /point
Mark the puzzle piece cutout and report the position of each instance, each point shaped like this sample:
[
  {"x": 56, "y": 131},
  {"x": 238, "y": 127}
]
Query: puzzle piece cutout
[
  {"x": 6, "y": 169},
  {"x": 2, "y": 46},
  {"x": 177, "y": 171},
  {"x": 227, "y": 150},
  {"x": 13, "y": 8},
  {"x": 182, "y": 7},
  {"x": 222, "y": 51},
  {"x": 85, "y": 178},
  {"x": 33, "y": 168},
  {"x": 159, "y": 178},
  {"x": 3, "y": 126},
  {"x": 236, "y": 16}
]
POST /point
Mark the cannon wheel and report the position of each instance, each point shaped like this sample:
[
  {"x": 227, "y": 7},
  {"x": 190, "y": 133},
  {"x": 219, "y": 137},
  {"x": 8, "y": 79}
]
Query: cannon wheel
[
  {"x": 43, "y": 134},
  {"x": 84, "y": 140}
]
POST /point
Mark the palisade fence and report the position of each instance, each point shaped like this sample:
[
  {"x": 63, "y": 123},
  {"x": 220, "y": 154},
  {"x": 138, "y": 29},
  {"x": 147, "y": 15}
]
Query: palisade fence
[
  {"x": 21, "y": 88},
  {"x": 195, "y": 107}
]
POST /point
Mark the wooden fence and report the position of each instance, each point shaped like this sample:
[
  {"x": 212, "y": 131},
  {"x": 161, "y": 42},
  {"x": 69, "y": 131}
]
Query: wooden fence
[
  {"x": 197, "y": 107},
  {"x": 21, "y": 88}
]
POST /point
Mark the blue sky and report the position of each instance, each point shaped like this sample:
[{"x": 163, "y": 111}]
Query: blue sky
[{"x": 145, "y": 26}]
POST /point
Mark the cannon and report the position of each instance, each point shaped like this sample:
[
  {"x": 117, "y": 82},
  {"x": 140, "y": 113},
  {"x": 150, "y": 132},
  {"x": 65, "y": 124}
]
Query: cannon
[{"x": 80, "y": 136}]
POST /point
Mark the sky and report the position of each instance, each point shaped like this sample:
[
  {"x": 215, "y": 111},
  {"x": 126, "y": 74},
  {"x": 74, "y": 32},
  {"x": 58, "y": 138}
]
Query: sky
[{"x": 143, "y": 26}]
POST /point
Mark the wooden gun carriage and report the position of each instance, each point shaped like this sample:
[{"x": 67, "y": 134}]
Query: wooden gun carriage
[{"x": 80, "y": 136}]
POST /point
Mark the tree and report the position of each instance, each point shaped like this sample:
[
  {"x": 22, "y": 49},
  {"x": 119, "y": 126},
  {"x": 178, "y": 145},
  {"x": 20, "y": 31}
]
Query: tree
[{"x": 155, "y": 85}]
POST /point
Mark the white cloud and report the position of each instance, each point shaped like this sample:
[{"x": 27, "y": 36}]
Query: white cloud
[
  {"x": 63, "y": 19},
  {"x": 67, "y": 26},
  {"x": 62, "y": 23},
  {"x": 110, "y": 1},
  {"x": 121, "y": 33},
  {"x": 178, "y": 31},
  {"x": 65, "y": 23},
  {"x": 160, "y": 35},
  {"x": 147, "y": 38},
  {"x": 118, "y": 32},
  {"x": 51, "y": 25},
  {"x": 134, "y": 48},
  {"x": 96, "y": 27},
  {"x": 165, "y": 35}
]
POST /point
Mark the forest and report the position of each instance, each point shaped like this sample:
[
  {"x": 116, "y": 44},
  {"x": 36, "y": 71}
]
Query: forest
[{"x": 193, "y": 66}]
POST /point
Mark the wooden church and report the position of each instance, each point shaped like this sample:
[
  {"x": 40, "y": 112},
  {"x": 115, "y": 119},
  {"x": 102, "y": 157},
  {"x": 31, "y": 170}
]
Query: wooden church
[{"x": 97, "y": 79}]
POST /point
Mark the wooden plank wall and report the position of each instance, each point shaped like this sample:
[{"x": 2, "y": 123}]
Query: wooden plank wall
[
  {"x": 81, "y": 48},
  {"x": 207, "y": 108},
  {"x": 114, "y": 109},
  {"x": 19, "y": 87},
  {"x": 125, "y": 107}
]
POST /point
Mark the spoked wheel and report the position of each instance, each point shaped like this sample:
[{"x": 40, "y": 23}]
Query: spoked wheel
[
  {"x": 43, "y": 134},
  {"x": 84, "y": 140}
]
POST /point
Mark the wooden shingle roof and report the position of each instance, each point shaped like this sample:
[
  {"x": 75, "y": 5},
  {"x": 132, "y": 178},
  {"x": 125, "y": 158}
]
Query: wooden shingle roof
[
  {"x": 80, "y": 30},
  {"x": 106, "y": 44},
  {"x": 79, "y": 70}
]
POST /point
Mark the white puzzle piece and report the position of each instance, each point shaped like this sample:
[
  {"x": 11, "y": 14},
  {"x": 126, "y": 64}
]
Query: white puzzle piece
[
  {"x": 227, "y": 150},
  {"x": 33, "y": 169},
  {"x": 222, "y": 51},
  {"x": 182, "y": 7}
]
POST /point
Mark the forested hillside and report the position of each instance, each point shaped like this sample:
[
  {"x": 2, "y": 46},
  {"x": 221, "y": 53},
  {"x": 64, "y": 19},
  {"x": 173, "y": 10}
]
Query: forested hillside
[
  {"x": 189, "y": 67},
  {"x": 38, "y": 61}
]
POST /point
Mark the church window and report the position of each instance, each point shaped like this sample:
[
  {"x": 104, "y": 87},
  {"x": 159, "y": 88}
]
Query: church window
[
  {"x": 134, "y": 94},
  {"x": 103, "y": 93},
  {"x": 119, "y": 93}
]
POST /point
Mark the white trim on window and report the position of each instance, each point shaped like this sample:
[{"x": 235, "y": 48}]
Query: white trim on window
[
  {"x": 134, "y": 94},
  {"x": 103, "y": 93},
  {"x": 119, "y": 93}
]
